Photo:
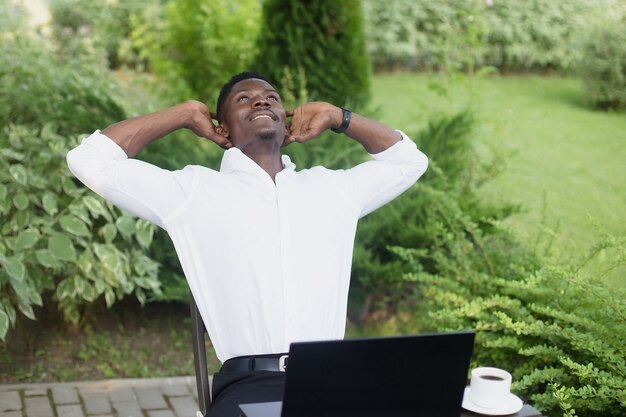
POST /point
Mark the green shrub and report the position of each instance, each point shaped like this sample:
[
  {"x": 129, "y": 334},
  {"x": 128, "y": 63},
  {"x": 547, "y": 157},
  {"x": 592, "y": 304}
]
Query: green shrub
[
  {"x": 446, "y": 192},
  {"x": 560, "y": 332},
  {"x": 36, "y": 88},
  {"x": 57, "y": 236},
  {"x": 82, "y": 28},
  {"x": 57, "y": 239},
  {"x": 603, "y": 65},
  {"x": 460, "y": 34},
  {"x": 322, "y": 39},
  {"x": 201, "y": 43}
]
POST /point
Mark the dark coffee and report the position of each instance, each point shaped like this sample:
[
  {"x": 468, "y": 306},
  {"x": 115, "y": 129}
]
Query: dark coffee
[{"x": 492, "y": 378}]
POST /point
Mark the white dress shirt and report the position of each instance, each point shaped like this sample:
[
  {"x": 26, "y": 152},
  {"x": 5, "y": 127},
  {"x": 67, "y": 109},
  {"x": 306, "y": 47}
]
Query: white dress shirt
[{"x": 268, "y": 263}]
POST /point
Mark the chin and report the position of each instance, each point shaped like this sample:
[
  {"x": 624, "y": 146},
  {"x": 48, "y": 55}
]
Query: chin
[{"x": 266, "y": 135}]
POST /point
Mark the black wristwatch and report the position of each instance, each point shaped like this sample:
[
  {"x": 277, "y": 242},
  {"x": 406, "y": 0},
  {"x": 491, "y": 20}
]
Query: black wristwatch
[{"x": 345, "y": 121}]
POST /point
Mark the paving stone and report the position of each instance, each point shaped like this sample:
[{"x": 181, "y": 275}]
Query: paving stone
[
  {"x": 38, "y": 407},
  {"x": 127, "y": 409},
  {"x": 73, "y": 410},
  {"x": 64, "y": 395},
  {"x": 184, "y": 406},
  {"x": 162, "y": 413},
  {"x": 150, "y": 398},
  {"x": 95, "y": 402},
  {"x": 10, "y": 414},
  {"x": 35, "y": 392},
  {"x": 122, "y": 394},
  {"x": 10, "y": 400},
  {"x": 176, "y": 390}
]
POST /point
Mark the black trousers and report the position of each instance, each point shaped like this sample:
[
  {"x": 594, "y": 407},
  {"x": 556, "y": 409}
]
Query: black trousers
[{"x": 233, "y": 388}]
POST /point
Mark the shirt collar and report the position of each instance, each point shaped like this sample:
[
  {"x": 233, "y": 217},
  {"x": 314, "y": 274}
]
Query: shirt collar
[{"x": 235, "y": 161}]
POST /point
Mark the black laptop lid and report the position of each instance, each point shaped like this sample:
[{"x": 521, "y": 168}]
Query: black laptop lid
[{"x": 422, "y": 375}]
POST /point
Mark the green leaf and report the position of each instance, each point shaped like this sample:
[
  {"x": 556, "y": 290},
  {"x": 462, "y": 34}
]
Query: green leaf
[
  {"x": 60, "y": 246},
  {"x": 5, "y": 205},
  {"x": 89, "y": 293},
  {"x": 49, "y": 202},
  {"x": 46, "y": 259},
  {"x": 34, "y": 296},
  {"x": 3, "y": 192},
  {"x": 108, "y": 256},
  {"x": 15, "y": 268},
  {"x": 79, "y": 285},
  {"x": 126, "y": 226},
  {"x": 19, "y": 173},
  {"x": 85, "y": 261},
  {"x": 4, "y": 325},
  {"x": 73, "y": 225},
  {"x": 108, "y": 231},
  {"x": 20, "y": 201},
  {"x": 65, "y": 289},
  {"x": 145, "y": 232},
  {"x": 26, "y": 239},
  {"x": 26, "y": 309},
  {"x": 109, "y": 297},
  {"x": 12, "y": 154},
  {"x": 22, "y": 218},
  {"x": 81, "y": 212},
  {"x": 96, "y": 208}
]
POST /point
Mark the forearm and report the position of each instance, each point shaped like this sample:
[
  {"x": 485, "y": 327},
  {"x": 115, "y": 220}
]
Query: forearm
[
  {"x": 374, "y": 136},
  {"x": 134, "y": 134}
]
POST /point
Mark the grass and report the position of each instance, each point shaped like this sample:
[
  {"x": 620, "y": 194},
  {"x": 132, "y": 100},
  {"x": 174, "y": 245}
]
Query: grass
[
  {"x": 128, "y": 341},
  {"x": 566, "y": 163}
]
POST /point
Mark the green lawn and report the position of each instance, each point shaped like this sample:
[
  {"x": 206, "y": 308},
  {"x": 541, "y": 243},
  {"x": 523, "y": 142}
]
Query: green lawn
[{"x": 563, "y": 152}]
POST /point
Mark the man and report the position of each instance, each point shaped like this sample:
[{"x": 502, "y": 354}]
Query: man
[{"x": 266, "y": 249}]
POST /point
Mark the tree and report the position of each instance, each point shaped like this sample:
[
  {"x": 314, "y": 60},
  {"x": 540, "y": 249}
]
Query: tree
[{"x": 320, "y": 45}]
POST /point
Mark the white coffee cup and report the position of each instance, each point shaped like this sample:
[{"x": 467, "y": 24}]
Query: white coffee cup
[{"x": 490, "y": 387}]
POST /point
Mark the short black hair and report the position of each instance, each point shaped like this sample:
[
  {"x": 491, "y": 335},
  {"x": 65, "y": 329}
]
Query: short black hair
[{"x": 226, "y": 89}]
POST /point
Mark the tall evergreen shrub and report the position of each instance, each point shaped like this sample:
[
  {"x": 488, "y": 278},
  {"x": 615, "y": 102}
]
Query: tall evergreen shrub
[
  {"x": 603, "y": 65},
  {"x": 321, "y": 44}
]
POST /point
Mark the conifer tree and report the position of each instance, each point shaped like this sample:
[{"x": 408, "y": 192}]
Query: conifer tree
[{"x": 317, "y": 47}]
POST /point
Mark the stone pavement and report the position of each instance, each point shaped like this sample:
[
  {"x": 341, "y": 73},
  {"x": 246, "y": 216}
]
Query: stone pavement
[{"x": 151, "y": 397}]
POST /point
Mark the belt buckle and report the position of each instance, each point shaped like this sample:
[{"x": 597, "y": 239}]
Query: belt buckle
[{"x": 282, "y": 363}]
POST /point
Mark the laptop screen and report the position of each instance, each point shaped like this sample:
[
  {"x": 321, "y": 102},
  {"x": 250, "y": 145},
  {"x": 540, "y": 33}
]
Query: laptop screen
[{"x": 421, "y": 375}]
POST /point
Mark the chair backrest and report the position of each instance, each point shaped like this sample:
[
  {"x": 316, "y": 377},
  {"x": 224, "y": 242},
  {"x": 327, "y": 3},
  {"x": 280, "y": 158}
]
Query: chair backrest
[{"x": 199, "y": 355}]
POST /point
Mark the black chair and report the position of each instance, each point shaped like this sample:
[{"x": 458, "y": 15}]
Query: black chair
[{"x": 203, "y": 384}]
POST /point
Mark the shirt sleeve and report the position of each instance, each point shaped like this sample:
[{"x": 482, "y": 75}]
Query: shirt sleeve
[
  {"x": 138, "y": 187},
  {"x": 373, "y": 184}
]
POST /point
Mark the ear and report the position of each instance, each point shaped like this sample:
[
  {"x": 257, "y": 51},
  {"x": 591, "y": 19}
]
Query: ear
[{"x": 222, "y": 130}]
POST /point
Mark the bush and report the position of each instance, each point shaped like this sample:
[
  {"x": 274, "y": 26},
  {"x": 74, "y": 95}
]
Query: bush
[
  {"x": 560, "y": 332},
  {"x": 81, "y": 28},
  {"x": 57, "y": 239},
  {"x": 459, "y": 34},
  {"x": 446, "y": 192},
  {"x": 322, "y": 39},
  {"x": 201, "y": 43},
  {"x": 603, "y": 65}
]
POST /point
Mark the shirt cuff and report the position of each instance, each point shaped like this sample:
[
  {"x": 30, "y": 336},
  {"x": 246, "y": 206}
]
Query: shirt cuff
[
  {"x": 397, "y": 150},
  {"x": 105, "y": 146}
]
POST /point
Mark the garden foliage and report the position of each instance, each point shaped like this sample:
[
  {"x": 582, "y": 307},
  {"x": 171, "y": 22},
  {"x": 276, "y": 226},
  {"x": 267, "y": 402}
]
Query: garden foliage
[
  {"x": 460, "y": 34},
  {"x": 57, "y": 239},
  {"x": 603, "y": 64},
  {"x": 559, "y": 330},
  {"x": 324, "y": 40}
]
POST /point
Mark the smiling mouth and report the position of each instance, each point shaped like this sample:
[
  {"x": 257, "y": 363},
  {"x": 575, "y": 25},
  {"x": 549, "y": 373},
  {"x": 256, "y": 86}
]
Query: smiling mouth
[{"x": 261, "y": 116}]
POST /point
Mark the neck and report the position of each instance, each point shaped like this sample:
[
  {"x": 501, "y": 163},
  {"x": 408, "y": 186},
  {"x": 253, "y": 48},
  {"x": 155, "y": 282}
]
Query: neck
[{"x": 266, "y": 154}]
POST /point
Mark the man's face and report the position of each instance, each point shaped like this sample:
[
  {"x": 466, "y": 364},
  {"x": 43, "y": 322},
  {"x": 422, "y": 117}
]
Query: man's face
[{"x": 253, "y": 112}]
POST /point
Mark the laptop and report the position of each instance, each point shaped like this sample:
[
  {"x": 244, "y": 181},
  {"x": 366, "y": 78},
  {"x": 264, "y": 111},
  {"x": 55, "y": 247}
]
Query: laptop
[{"x": 421, "y": 375}]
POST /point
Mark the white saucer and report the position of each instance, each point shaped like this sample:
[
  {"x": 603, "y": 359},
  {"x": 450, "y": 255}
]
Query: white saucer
[{"x": 513, "y": 406}]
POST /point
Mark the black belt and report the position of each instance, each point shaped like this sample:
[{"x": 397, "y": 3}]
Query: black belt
[{"x": 276, "y": 362}]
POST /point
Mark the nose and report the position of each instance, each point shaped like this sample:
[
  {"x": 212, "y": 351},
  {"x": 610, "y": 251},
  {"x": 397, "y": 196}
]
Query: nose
[{"x": 261, "y": 102}]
